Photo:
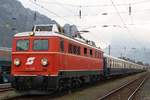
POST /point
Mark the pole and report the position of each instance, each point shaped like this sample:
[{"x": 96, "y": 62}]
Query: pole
[{"x": 109, "y": 49}]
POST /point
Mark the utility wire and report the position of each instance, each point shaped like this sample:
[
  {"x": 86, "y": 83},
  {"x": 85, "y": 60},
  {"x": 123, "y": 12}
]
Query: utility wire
[
  {"x": 123, "y": 22},
  {"x": 88, "y": 15},
  {"x": 64, "y": 7},
  {"x": 130, "y": 12},
  {"x": 51, "y": 12},
  {"x": 119, "y": 14},
  {"x": 121, "y": 4},
  {"x": 42, "y": 7},
  {"x": 120, "y": 17}
]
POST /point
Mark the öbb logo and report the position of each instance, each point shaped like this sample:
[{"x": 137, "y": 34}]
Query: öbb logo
[{"x": 30, "y": 60}]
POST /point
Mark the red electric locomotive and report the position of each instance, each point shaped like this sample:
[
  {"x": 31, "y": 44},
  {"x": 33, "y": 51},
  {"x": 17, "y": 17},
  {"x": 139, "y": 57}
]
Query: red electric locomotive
[{"x": 46, "y": 59}]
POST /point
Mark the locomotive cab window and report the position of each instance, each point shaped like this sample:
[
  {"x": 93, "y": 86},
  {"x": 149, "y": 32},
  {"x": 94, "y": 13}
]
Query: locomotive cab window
[
  {"x": 22, "y": 45},
  {"x": 40, "y": 45}
]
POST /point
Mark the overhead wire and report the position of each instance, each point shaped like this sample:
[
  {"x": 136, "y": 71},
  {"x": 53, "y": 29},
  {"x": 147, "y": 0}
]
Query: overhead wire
[
  {"x": 63, "y": 4},
  {"x": 98, "y": 5},
  {"x": 51, "y": 12},
  {"x": 94, "y": 15},
  {"x": 130, "y": 12},
  {"x": 119, "y": 14},
  {"x": 80, "y": 5},
  {"x": 117, "y": 11},
  {"x": 109, "y": 13},
  {"x": 64, "y": 7},
  {"x": 129, "y": 32}
]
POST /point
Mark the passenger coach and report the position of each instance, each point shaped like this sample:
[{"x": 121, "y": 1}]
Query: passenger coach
[{"x": 115, "y": 66}]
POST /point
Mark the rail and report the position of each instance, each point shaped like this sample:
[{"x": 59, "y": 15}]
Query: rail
[
  {"x": 124, "y": 86},
  {"x": 5, "y": 87},
  {"x": 134, "y": 92}
]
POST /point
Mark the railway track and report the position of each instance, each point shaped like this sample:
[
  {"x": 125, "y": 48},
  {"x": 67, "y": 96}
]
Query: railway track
[
  {"x": 126, "y": 91},
  {"x": 5, "y": 87}
]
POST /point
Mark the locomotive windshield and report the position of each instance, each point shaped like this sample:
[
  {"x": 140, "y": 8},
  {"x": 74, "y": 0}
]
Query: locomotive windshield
[
  {"x": 22, "y": 45},
  {"x": 40, "y": 45}
]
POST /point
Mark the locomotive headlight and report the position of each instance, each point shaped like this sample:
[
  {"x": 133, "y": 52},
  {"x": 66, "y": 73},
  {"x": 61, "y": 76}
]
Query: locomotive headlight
[
  {"x": 31, "y": 34},
  {"x": 44, "y": 61},
  {"x": 17, "y": 61}
]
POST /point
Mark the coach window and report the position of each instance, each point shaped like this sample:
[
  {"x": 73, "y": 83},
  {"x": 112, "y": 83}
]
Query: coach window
[
  {"x": 40, "y": 45},
  {"x": 62, "y": 45},
  {"x": 91, "y": 53},
  {"x": 22, "y": 45},
  {"x": 85, "y": 51}
]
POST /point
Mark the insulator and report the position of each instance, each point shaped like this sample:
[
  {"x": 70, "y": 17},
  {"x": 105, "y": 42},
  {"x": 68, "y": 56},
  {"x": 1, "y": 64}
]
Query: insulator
[
  {"x": 80, "y": 14},
  {"x": 129, "y": 9}
]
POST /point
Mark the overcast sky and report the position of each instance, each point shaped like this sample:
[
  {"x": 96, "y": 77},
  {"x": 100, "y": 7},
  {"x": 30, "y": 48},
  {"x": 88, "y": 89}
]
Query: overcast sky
[{"x": 98, "y": 13}]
